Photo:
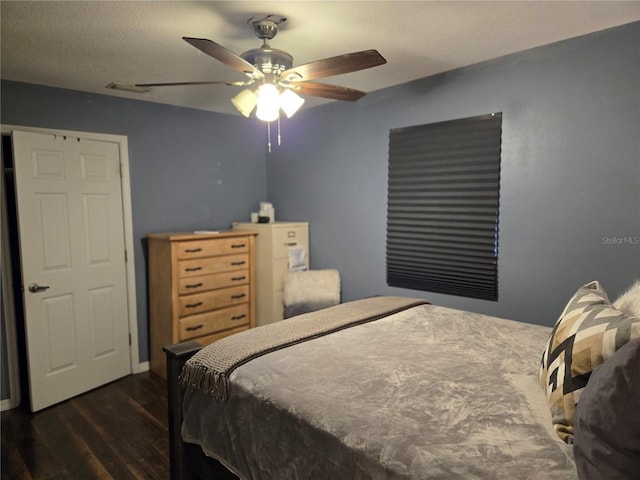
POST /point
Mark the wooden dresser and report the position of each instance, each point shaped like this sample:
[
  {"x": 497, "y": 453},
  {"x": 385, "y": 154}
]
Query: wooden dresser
[{"x": 201, "y": 287}]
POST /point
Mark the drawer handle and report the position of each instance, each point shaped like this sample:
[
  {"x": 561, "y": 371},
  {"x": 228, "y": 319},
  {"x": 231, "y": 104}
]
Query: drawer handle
[
  {"x": 240, "y": 295},
  {"x": 235, "y": 264},
  {"x": 237, "y": 279},
  {"x": 238, "y": 245},
  {"x": 193, "y": 305},
  {"x": 192, "y": 269},
  {"x": 238, "y": 317},
  {"x": 195, "y": 285},
  {"x": 193, "y": 250},
  {"x": 291, "y": 244},
  {"x": 195, "y": 327}
]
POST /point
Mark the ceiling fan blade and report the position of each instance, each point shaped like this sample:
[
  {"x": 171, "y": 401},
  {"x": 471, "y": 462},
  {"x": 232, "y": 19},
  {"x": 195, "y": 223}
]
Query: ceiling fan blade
[
  {"x": 178, "y": 84},
  {"x": 225, "y": 56},
  {"x": 349, "y": 62},
  {"x": 323, "y": 90}
]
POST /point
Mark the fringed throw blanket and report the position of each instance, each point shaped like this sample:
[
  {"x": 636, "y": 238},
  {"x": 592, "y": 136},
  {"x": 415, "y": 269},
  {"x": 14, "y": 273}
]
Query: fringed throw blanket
[{"x": 209, "y": 369}]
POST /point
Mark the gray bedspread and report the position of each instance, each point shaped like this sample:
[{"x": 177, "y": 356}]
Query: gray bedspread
[{"x": 427, "y": 393}]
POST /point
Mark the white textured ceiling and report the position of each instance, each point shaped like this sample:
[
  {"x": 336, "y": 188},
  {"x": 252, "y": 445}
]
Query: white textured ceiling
[{"x": 86, "y": 45}]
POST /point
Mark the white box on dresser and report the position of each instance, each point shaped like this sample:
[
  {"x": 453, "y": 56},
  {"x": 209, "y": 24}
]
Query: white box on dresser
[{"x": 273, "y": 244}]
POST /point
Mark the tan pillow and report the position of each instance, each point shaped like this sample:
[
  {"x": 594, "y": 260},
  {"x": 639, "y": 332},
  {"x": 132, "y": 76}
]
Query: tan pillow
[{"x": 587, "y": 333}]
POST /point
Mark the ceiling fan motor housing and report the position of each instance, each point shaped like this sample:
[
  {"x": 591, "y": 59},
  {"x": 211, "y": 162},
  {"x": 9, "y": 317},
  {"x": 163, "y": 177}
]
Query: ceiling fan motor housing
[{"x": 268, "y": 60}]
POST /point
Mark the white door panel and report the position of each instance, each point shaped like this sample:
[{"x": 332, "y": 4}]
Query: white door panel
[{"x": 72, "y": 241}]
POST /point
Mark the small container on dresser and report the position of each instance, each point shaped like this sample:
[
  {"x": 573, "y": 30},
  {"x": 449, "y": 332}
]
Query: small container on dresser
[
  {"x": 201, "y": 287},
  {"x": 274, "y": 245}
]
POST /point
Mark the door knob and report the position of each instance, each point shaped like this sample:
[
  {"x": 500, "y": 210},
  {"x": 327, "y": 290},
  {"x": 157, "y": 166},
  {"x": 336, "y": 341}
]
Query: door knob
[{"x": 34, "y": 287}]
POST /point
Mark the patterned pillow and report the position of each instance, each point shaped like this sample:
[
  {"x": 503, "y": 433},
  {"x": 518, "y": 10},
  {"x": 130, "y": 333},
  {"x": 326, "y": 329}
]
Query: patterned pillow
[{"x": 588, "y": 332}]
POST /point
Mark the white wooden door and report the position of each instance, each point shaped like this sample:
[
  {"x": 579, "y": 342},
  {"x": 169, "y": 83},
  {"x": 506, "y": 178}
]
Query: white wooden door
[{"x": 73, "y": 264}]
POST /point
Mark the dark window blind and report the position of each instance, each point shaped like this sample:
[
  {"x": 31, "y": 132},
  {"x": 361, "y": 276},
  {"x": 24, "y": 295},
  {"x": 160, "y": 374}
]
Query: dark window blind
[{"x": 442, "y": 209}]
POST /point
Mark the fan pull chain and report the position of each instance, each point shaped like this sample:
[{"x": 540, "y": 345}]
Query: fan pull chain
[
  {"x": 269, "y": 135},
  {"x": 279, "y": 138}
]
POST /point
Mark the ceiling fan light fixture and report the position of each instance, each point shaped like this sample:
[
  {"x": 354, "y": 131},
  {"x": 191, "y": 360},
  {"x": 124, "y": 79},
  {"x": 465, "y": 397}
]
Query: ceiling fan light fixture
[
  {"x": 290, "y": 102},
  {"x": 268, "y": 102},
  {"x": 245, "y": 101}
]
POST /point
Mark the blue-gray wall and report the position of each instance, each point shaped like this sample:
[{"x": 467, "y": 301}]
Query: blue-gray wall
[
  {"x": 570, "y": 169},
  {"x": 570, "y": 181},
  {"x": 189, "y": 169}
]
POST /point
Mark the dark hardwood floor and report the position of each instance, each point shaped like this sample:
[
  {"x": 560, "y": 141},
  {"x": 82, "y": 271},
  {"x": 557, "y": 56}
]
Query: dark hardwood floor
[{"x": 117, "y": 431}]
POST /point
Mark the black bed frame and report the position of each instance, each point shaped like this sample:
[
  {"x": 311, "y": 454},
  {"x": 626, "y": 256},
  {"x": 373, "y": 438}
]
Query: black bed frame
[{"x": 188, "y": 462}]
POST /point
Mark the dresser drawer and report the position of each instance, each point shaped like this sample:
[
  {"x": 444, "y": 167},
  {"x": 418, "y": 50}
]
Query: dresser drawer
[
  {"x": 208, "y": 265},
  {"x": 203, "y": 283},
  {"x": 203, "y": 302},
  {"x": 213, "y": 322},
  {"x": 209, "y": 247},
  {"x": 207, "y": 339},
  {"x": 293, "y": 236}
]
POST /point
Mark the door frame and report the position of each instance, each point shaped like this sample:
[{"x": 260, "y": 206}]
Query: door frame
[
  {"x": 8, "y": 307},
  {"x": 125, "y": 182}
]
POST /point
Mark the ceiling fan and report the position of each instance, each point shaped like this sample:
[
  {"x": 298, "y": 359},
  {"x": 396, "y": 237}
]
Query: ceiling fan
[{"x": 274, "y": 84}]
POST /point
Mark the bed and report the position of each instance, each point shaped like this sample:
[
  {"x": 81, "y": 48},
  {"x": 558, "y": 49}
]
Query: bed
[
  {"x": 379, "y": 388},
  {"x": 397, "y": 388}
]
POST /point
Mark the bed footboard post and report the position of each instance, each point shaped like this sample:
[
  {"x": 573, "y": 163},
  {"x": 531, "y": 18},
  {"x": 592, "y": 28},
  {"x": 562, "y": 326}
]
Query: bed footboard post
[{"x": 177, "y": 355}]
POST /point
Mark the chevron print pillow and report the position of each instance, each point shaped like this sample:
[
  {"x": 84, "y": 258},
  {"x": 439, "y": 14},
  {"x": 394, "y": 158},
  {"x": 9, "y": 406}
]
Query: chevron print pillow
[{"x": 587, "y": 333}]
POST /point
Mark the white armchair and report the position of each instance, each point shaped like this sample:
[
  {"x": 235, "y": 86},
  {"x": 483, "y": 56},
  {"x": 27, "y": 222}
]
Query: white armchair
[{"x": 309, "y": 290}]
